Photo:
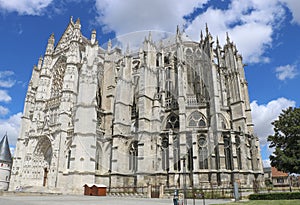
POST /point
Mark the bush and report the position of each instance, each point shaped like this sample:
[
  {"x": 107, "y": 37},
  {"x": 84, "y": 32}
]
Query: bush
[{"x": 275, "y": 196}]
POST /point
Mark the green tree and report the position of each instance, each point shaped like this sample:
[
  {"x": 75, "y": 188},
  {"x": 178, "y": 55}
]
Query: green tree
[{"x": 286, "y": 141}]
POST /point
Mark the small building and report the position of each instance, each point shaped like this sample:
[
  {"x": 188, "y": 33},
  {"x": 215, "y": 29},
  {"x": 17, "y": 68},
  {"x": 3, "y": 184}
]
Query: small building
[
  {"x": 279, "y": 178},
  {"x": 5, "y": 163},
  {"x": 95, "y": 189},
  {"x": 267, "y": 173}
]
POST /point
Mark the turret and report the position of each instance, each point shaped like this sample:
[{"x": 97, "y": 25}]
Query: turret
[{"x": 6, "y": 162}]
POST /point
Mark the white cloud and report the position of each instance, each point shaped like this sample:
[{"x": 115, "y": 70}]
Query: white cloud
[
  {"x": 4, "y": 97},
  {"x": 286, "y": 72},
  {"x": 11, "y": 126},
  {"x": 25, "y": 7},
  {"x": 135, "y": 15},
  {"x": 251, "y": 24},
  {"x": 263, "y": 115},
  {"x": 266, "y": 163},
  {"x": 3, "y": 110},
  {"x": 5, "y": 79},
  {"x": 294, "y": 7}
]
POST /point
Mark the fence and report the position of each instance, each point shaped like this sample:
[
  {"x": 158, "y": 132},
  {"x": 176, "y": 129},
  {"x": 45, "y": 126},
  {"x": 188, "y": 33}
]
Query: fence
[{"x": 218, "y": 192}]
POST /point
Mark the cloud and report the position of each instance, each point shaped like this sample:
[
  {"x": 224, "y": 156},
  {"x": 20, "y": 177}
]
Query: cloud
[
  {"x": 266, "y": 163},
  {"x": 25, "y": 7},
  {"x": 3, "y": 111},
  {"x": 11, "y": 126},
  {"x": 4, "y": 97},
  {"x": 5, "y": 80},
  {"x": 250, "y": 23},
  {"x": 294, "y": 7},
  {"x": 263, "y": 115},
  {"x": 286, "y": 72},
  {"x": 134, "y": 15}
]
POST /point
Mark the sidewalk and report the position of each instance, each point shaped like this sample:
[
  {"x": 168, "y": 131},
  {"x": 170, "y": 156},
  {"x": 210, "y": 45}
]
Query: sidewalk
[{"x": 94, "y": 200}]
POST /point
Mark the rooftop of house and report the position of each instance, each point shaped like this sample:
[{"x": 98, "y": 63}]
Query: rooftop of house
[{"x": 276, "y": 173}]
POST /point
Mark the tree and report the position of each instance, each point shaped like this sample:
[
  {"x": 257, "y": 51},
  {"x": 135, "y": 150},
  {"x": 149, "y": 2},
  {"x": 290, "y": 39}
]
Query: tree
[{"x": 286, "y": 141}]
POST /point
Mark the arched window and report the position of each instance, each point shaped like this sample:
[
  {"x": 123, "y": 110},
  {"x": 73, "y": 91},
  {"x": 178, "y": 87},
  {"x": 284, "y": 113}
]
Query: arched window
[
  {"x": 98, "y": 157},
  {"x": 172, "y": 122},
  {"x": 238, "y": 151},
  {"x": 69, "y": 159},
  {"x": 133, "y": 155},
  {"x": 190, "y": 161},
  {"x": 203, "y": 153},
  {"x": 228, "y": 153},
  {"x": 250, "y": 165},
  {"x": 197, "y": 120},
  {"x": 165, "y": 152}
]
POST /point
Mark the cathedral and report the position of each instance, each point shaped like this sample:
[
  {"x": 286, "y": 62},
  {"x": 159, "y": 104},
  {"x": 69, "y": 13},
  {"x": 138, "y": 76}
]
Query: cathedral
[{"x": 172, "y": 110}]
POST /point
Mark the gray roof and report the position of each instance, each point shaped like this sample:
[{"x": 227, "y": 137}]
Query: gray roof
[{"x": 5, "y": 155}]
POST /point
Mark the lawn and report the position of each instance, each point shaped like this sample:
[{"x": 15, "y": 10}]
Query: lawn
[{"x": 267, "y": 202}]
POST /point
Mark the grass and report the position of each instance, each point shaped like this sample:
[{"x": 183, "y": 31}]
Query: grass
[{"x": 266, "y": 202}]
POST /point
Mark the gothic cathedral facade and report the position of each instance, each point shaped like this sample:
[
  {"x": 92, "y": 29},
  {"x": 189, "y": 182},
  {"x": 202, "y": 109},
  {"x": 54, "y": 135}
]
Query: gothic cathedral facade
[{"x": 104, "y": 115}]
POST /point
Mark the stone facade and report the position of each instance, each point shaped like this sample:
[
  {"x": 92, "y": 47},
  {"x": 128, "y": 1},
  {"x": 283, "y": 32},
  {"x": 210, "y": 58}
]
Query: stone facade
[{"x": 121, "y": 118}]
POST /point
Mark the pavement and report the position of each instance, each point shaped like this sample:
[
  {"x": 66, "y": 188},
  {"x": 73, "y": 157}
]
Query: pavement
[{"x": 95, "y": 200}]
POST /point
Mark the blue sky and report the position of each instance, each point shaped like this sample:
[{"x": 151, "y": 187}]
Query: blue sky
[{"x": 266, "y": 34}]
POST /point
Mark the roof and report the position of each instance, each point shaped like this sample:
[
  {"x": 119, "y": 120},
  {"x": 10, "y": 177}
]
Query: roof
[
  {"x": 267, "y": 169},
  {"x": 5, "y": 155},
  {"x": 276, "y": 173},
  {"x": 96, "y": 185}
]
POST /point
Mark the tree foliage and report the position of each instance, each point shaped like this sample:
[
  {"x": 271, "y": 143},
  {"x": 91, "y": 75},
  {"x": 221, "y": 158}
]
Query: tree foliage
[{"x": 286, "y": 141}]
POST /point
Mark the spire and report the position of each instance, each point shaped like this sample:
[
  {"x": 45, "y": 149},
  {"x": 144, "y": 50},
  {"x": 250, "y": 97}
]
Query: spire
[
  {"x": 78, "y": 22},
  {"x": 218, "y": 45},
  {"x": 93, "y": 37},
  {"x": 109, "y": 45},
  {"x": 39, "y": 66},
  {"x": 76, "y": 33},
  {"x": 201, "y": 36},
  {"x": 5, "y": 155},
  {"x": 206, "y": 29},
  {"x": 50, "y": 46},
  {"x": 127, "y": 49},
  {"x": 177, "y": 30},
  {"x": 178, "y": 35},
  {"x": 150, "y": 36},
  {"x": 227, "y": 38}
]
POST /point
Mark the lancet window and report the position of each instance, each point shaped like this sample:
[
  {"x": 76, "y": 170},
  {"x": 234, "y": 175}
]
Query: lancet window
[
  {"x": 228, "y": 152},
  {"x": 203, "y": 153},
  {"x": 98, "y": 157},
  {"x": 69, "y": 159},
  {"x": 133, "y": 156},
  {"x": 190, "y": 162},
  {"x": 165, "y": 152},
  {"x": 238, "y": 151}
]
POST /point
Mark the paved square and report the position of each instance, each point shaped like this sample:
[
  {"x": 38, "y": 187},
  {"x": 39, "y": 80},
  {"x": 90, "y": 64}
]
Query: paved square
[{"x": 93, "y": 200}]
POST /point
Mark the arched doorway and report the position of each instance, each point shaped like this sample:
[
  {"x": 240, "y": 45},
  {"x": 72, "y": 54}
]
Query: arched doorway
[{"x": 43, "y": 156}]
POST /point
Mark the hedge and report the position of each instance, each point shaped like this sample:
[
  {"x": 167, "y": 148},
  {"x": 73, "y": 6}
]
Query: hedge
[{"x": 275, "y": 196}]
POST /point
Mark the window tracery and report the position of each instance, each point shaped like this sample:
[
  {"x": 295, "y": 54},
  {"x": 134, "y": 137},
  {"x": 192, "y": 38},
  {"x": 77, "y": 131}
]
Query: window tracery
[
  {"x": 196, "y": 119},
  {"x": 238, "y": 151},
  {"x": 133, "y": 156},
  {"x": 203, "y": 152},
  {"x": 228, "y": 153}
]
